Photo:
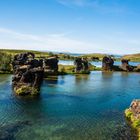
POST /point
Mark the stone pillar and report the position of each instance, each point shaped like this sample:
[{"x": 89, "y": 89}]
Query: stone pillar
[
  {"x": 107, "y": 63},
  {"x": 78, "y": 64},
  {"x": 28, "y": 74},
  {"x": 125, "y": 65},
  {"x": 51, "y": 65}
]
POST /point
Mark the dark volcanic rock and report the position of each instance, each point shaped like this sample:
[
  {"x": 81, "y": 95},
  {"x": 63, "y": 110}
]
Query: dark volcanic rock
[
  {"x": 107, "y": 63},
  {"x": 28, "y": 74},
  {"x": 125, "y": 65},
  {"x": 51, "y": 65},
  {"x": 82, "y": 65}
]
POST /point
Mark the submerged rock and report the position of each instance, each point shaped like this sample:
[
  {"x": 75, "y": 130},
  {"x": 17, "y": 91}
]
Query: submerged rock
[
  {"x": 133, "y": 117},
  {"x": 28, "y": 74},
  {"x": 123, "y": 133},
  {"x": 8, "y": 132}
]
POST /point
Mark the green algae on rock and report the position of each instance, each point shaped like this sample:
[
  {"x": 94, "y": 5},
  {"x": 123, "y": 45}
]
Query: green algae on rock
[
  {"x": 28, "y": 74},
  {"x": 133, "y": 117},
  {"x": 26, "y": 90}
]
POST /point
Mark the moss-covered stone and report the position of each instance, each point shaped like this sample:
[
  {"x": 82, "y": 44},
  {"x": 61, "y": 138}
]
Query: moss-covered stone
[
  {"x": 133, "y": 117},
  {"x": 128, "y": 114},
  {"x": 26, "y": 90}
]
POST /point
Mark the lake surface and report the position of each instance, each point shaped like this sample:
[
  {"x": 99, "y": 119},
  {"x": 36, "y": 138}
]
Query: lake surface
[
  {"x": 97, "y": 64},
  {"x": 84, "y": 107}
]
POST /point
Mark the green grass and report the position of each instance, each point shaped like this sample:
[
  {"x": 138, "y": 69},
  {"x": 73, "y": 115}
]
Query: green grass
[
  {"x": 89, "y": 56},
  {"x": 62, "y": 56},
  {"x": 38, "y": 54},
  {"x": 132, "y": 57},
  {"x": 69, "y": 69},
  {"x": 66, "y": 69}
]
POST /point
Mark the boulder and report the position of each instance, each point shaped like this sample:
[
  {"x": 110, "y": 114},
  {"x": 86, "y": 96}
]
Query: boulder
[{"x": 133, "y": 117}]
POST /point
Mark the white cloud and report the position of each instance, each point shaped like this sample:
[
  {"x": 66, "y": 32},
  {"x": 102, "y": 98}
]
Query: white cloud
[
  {"x": 53, "y": 42},
  {"x": 117, "y": 43}
]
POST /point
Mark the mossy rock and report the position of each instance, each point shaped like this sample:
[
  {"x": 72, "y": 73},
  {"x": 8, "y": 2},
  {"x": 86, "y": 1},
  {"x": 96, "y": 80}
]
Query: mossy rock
[
  {"x": 26, "y": 90},
  {"x": 128, "y": 114},
  {"x": 133, "y": 122}
]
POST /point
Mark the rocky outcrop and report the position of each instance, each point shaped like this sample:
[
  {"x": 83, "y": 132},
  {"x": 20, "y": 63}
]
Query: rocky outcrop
[
  {"x": 133, "y": 117},
  {"x": 137, "y": 68},
  {"x": 107, "y": 63},
  {"x": 82, "y": 65},
  {"x": 125, "y": 65},
  {"x": 51, "y": 65},
  {"x": 28, "y": 74}
]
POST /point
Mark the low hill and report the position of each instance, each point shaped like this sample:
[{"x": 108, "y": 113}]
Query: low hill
[
  {"x": 94, "y": 55},
  {"x": 62, "y": 56},
  {"x": 39, "y": 54},
  {"x": 132, "y": 57}
]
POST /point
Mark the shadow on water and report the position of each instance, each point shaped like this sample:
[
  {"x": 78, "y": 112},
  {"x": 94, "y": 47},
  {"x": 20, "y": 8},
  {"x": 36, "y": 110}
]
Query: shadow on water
[
  {"x": 51, "y": 80},
  {"x": 29, "y": 108},
  {"x": 81, "y": 78}
]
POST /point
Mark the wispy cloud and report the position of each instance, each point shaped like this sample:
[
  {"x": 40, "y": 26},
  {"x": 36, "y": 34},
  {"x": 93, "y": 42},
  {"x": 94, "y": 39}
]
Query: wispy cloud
[
  {"x": 97, "y": 5},
  {"x": 53, "y": 42},
  {"x": 117, "y": 43},
  {"x": 18, "y": 35}
]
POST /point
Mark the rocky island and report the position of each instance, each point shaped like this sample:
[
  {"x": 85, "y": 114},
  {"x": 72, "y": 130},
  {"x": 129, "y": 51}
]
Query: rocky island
[
  {"x": 133, "y": 117},
  {"x": 28, "y": 74}
]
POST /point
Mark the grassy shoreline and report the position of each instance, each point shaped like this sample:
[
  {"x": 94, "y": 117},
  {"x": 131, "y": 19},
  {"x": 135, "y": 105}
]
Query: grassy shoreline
[
  {"x": 8, "y": 54},
  {"x": 67, "y": 56}
]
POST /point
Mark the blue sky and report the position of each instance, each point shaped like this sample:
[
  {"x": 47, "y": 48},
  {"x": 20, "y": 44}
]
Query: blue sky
[{"x": 79, "y": 26}]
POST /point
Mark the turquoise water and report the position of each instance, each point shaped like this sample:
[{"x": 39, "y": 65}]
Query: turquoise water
[{"x": 84, "y": 107}]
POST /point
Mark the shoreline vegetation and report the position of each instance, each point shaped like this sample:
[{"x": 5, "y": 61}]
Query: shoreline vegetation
[
  {"x": 69, "y": 56},
  {"x": 6, "y": 56}
]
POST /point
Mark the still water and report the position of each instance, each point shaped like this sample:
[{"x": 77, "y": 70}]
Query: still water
[
  {"x": 96, "y": 63},
  {"x": 82, "y": 107}
]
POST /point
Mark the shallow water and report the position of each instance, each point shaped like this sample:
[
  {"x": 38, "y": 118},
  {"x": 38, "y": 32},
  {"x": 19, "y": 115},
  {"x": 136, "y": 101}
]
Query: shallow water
[
  {"x": 96, "y": 63},
  {"x": 82, "y": 107}
]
